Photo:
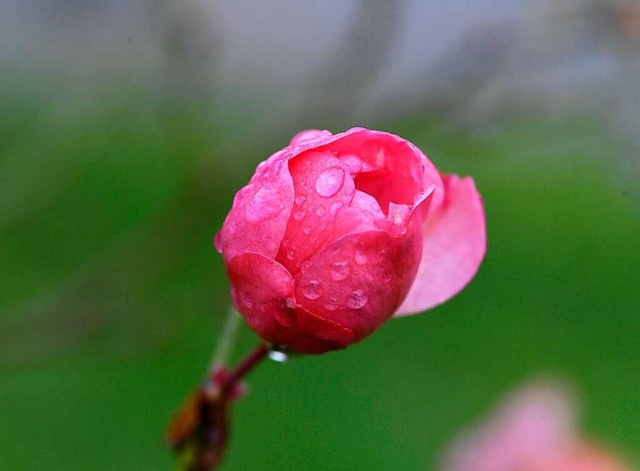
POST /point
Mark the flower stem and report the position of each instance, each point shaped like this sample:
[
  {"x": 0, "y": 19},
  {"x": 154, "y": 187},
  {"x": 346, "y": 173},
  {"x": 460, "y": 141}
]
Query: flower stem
[
  {"x": 240, "y": 371},
  {"x": 227, "y": 339},
  {"x": 200, "y": 431}
]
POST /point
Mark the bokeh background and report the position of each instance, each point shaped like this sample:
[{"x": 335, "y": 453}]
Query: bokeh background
[{"x": 127, "y": 126}]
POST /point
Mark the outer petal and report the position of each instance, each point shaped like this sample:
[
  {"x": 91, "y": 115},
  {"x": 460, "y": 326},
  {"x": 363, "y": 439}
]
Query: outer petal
[
  {"x": 359, "y": 280},
  {"x": 323, "y": 188},
  {"x": 454, "y": 246},
  {"x": 263, "y": 292},
  {"x": 258, "y": 217}
]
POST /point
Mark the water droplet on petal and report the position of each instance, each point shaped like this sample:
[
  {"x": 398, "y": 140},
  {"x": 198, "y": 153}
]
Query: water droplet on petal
[
  {"x": 360, "y": 257},
  {"x": 340, "y": 270},
  {"x": 335, "y": 207},
  {"x": 300, "y": 199},
  {"x": 330, "y": 181},
  {"x": 312, "y": 289},
  {"x": 320, "y": 211},
  {"x": 353, "y": 163},
  {"x": 350, "y": 190},
  {"x": 307, "y": 230},
  {"x": 388, "y": 277},
  {"x": 357, "y": 299},
  {"x": 285, "y": 313},
  {"x": 331, "y": 304},
  {"x": 299, "y": 215},
  {"x": 278, "y": 356},
  {"x": 264, "y": 205},
  {"x": 291, "y": 254}
]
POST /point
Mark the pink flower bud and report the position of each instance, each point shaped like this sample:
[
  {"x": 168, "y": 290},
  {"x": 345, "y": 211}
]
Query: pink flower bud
[{"x": 336, "y": 233}]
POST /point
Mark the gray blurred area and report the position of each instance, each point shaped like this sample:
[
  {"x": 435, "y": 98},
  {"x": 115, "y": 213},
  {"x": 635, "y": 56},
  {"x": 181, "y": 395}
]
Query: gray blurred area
[{"x": 356, "y": 61}]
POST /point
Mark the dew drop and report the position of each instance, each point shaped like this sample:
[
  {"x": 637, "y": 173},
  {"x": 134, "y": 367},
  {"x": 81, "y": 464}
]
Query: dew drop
[
  {"x": 331, "y": 304},
  {"x": 285, "y": 312},
  {"x": 278, "y": 356},
  {"x": 353, "y": 163},
  {"x": 291, "y": 254},
  {"x": 307, "y": 230},
  {"x": 350, "y": 190},
  {"x": 330, "y": 181},
  {"x": 299, "y": 215},
  {"x": 339, "y": 270},
  {"x": 357, "y": 299},
  {"x": 300, "y": 199},
  {"x": 264, "y": 205},
  {"x": 360, "y": 257},
  {"x": 320, "y": 211},
  {"x": 312, "y": 289},
  {"x": 335, "y": 207}
]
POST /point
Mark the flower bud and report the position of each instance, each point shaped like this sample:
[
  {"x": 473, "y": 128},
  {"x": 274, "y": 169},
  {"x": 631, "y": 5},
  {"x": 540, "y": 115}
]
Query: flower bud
[{"x": 336, "y": 233}]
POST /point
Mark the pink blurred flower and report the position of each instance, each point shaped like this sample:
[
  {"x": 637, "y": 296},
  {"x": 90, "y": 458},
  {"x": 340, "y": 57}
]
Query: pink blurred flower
[
  {"x": 336, "y": 233},
  {"x": 533, "y": 430}
]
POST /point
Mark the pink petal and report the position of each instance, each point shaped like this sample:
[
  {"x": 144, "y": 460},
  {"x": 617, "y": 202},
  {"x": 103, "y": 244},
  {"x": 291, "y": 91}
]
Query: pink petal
[
  {"x": 359, "y": 280},
  {"x": 263, "y": 292},
  {"x": 323, "y": 187},
  {"x": 391, "y": 178},
  {"x": 386, "y": 166},
  {"x": 260, "y": 211},
  {"x": 309, "y": 136},
  {"x": 454, "y": 246}
]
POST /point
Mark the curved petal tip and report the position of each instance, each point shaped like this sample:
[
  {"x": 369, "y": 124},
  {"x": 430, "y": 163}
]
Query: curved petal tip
[{"x": 455, "y": 243}]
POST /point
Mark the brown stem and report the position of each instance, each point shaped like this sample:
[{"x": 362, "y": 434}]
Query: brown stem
[
  {"x": 240, "y": 371},
  {"x": 199, "y": 433}
]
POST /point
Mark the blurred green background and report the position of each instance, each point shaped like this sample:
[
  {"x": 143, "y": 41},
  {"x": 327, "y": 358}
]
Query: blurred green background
[{"x": 112, "y": 295}]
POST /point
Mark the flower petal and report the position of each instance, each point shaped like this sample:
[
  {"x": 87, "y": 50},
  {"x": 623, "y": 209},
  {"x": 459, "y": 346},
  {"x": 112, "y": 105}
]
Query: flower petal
[
  {"x": 309, "y": 136},
  {"x": 387, "y": 167},
  {"x": 322, "y": 188},
  {"x": 359, "y": 280},
  {"x": 263, "y": 292},
  {"x": 260, "y": 211},
  {"x": 454, "y": 246}
]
